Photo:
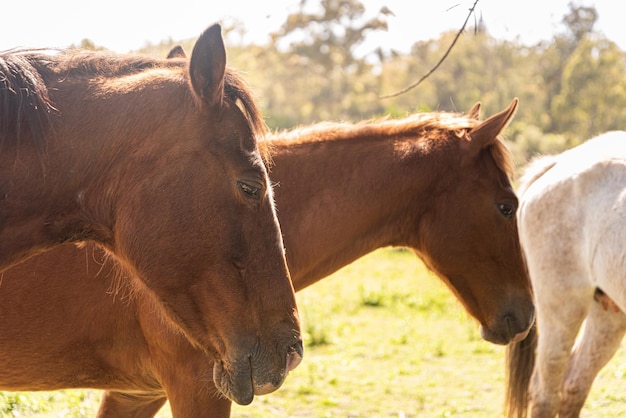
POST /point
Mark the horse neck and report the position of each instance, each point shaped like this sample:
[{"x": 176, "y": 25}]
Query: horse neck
[
  {"x": 46, "y": 203},
  {"x": 338, "y": 200},
  {"x": 68, "y": 190}
]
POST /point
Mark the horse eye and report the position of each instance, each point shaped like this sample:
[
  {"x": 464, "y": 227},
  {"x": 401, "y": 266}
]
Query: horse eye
[
  {"x": 250, "y": 189},
  {"x": 507, "y": 209}
]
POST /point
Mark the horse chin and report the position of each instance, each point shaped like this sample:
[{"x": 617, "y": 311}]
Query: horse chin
[
  {"x": 242, "y": 383},
  {"x": 265, "y": 388},
  {"x": 493, "y": 337},
  {"x": 236, "y": 386},
  {"x": 520, "y": 336},
  {"x": 501, "y": 338}
]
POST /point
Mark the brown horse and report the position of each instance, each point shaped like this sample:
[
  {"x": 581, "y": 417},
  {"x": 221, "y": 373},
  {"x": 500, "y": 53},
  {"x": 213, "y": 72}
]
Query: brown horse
[
  {"x": 436, "y": 183},
  {"x": 156, "y": 161}
]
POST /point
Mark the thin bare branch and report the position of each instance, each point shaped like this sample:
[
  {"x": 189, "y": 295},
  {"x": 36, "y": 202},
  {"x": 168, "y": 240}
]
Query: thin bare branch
[{"x": 424, "y": 77}]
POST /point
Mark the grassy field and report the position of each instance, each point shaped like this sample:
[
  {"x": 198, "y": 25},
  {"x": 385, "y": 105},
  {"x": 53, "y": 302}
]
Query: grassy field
[{"x": 384, "y": 338}]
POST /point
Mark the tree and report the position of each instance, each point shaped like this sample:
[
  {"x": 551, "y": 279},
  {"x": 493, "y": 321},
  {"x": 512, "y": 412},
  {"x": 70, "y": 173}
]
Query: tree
[
  {"x": 593, "y": 90},
  {"x": 579, "y": 22},
  {"x": 323, "y": 38},
  {"x": 480, "y": 69},
  {"x": 88, "y": 44}
]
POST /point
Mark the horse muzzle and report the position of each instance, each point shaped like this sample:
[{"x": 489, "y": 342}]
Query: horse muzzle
[
  {"x": 511, "y": 327},
  {"x": 242, "y": 380}
]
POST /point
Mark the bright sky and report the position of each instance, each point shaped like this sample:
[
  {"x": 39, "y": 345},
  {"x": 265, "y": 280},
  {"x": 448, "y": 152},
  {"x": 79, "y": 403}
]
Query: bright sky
[{"x": 125, "y": 25}]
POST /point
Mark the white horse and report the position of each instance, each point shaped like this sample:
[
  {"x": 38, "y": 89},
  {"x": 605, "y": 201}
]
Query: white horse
[{"x": 572, "y": 227}]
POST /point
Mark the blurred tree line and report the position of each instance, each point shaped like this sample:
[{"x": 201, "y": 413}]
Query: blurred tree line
[{"x": 570, "y": 88}]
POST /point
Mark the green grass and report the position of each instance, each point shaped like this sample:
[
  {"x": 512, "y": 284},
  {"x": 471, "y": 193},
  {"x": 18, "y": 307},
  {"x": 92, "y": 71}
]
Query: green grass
[{"x": 384, "y": 338}]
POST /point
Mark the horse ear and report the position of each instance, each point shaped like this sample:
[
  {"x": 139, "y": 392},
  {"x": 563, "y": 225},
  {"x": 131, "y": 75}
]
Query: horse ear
[
  {"x": 176, "y": 52},
  {"x": 474, "y": 112},
  {"x": 207, "y": 66},
  {"x": 487, "y": 132}
]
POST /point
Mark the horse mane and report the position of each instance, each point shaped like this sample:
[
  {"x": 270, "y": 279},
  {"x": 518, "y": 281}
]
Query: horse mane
[
  {"x": 25, "y": 74},
  {"x": 24, "y": 99},
  {"x": 535, "y": 168},
  {"x": 431, "y": 126}
]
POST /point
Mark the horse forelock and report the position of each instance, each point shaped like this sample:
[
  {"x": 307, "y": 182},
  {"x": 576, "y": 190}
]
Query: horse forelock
[
  {"x": 237, "y": 90},
  {"x": 503, "y": 157}
]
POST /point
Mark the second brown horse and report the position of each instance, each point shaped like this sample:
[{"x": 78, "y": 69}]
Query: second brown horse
[{"x": 436, "y": 183}]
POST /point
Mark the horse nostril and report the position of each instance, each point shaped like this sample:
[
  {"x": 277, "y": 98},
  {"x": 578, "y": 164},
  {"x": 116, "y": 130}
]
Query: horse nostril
[
  {"x": 513, "y": 327},
  {"x": 298, "y": 348},
  {"x": 294, "y": 356}
]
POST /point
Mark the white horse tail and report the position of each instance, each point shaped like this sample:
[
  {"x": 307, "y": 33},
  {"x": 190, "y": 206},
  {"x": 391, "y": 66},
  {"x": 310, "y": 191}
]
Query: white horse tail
[{"x": 520, "y": 359}]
